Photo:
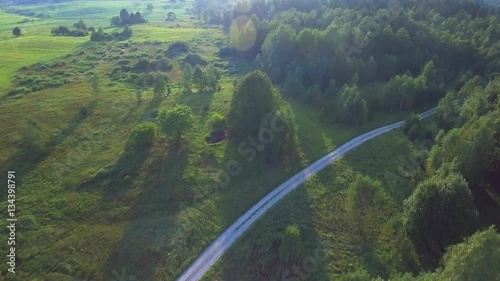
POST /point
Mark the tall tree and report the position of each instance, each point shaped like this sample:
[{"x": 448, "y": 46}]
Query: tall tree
[
  {"x": 127, "y": 32},
  {"x": 277, "y": 51},
  {"x": 352, "y": 108},
  {"x": 177, "y": 119},
  {"x": 159, "y": 84},
  {"x": 198, "y": 77},
  {"x": 171, "y": 16},
  {"x": 187, "y": 77},
  {"x": 364, "y": 193},
  {"x": 439, "y": 213},
  {"x": 473, "y": 147},
  {"x": 254, "y": 98},
  {"x": 475, "y": 259},
  {"x": 212, "y": 77},
  {"x": 448, "y": 111},
  {"x": 16, "y": 31},
  {"x": 124, "y": 15},
  {"x": 80, "y": 25}
]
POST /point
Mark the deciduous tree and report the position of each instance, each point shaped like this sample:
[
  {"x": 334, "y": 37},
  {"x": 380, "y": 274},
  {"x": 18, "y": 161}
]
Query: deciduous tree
[
  {"x": 198, "y": 77},
  {"x": 187, "y": 77},
  {"x": 177, "y": 119},
  {"x": 159, "y": 85},
  {"x": 16, "y": 31},
  {"x": 439, "y": 213}
]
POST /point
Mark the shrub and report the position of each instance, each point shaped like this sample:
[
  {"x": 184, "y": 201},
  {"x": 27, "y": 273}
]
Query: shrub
[
  {"x": 143, "y": 134},
  {"x": 153, "y": 65},
  {"x": 17, "y": 91},
  {"x": 410, "y": 122},
  {"x": 84, "y": 111},
  {"x": 33, "y": 140},
  {"x": 123, "y": 62},
  {"x": 177, "y": 47},
  {"x": 195, "y": 59},
  {"x": 78, "y": 33},
  {"x": 414, "y": 133},
  {"x": 116, "y": 69},
  {"x": 165, "y": 64},
  {"x": 141, "y": 65},
  {"x": 26, "y": 222},
  {"x": 132, "y": 77},
  {"x": 138, "y": 97},
  {"x": 125, "y": 68},
  {"x": 439, "y": 213}
]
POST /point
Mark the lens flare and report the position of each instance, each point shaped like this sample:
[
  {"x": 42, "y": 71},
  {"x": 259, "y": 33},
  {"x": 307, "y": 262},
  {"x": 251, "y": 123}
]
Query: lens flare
[{"x": 243, "y": 33}]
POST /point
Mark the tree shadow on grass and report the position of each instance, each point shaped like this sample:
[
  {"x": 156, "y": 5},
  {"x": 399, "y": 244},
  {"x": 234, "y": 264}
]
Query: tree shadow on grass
[
  {"x": 74, "y": 124},
  {"x": 256, "y": 254},
  {"x": 199, "y": 102},
  {"x": 119, "y": 179},
  {"x": 149, "y": 113},
  {"x": 146, "y": 235},
  {"x": 24, "y": 161}
]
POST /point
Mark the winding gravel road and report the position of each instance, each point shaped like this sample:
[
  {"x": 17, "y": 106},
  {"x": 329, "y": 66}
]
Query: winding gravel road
[{"x": 211, "y": 254}]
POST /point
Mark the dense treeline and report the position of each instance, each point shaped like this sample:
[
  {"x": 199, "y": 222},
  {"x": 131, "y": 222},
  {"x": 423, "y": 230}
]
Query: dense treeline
[
  {"x": 329, "y": 55},
  {"x": 127, "y": 18},
  {"x": 463, "y": 164},
  {"x": 470, "y": 138},
  {"x": 100, "y": 35},
  {"x": 80, "y": 29},
  {"x": 259, "y": 114}
]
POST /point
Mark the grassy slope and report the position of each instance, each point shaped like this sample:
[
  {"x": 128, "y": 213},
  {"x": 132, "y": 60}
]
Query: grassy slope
[{"x": 90, "y": 186}]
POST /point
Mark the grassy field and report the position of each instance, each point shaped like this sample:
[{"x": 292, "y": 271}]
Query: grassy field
[
  {"x": 34, "y": 45},
  {"x": 91, "y": 206},
  {"x": 37, "y": 44},
  {"x": 98, "y": 13}
]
